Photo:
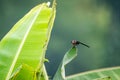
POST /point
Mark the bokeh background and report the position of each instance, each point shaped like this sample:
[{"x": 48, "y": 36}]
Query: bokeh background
[{"x": 94, "y": 22}]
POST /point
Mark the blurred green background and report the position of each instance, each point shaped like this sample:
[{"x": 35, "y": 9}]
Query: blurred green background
[{"x": 94, "y": 22}]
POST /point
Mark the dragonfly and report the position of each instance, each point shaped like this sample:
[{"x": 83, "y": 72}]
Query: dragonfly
[{"x": 75, "y": 43}]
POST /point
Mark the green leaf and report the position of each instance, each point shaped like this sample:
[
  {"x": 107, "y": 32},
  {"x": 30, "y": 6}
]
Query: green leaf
[
  {"x": 69, "y": 56},
  {"x": 102, "y": 74},
  {"x": 27, "y": 41}
]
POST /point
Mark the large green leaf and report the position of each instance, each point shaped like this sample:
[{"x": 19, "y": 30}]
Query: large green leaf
[
  {"x": 102, "y": 74},
  {"x": 27, "y": 41}
]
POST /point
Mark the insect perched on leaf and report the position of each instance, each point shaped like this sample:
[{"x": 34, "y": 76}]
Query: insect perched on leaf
[{"x": 75, "y": 43}]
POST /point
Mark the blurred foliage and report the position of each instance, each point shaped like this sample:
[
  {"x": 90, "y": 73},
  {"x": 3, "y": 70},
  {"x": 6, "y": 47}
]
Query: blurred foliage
[{"x": 94, "y": 22}]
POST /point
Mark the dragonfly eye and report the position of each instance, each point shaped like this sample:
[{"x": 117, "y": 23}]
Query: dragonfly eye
[{"x": 75, "y": 42}]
